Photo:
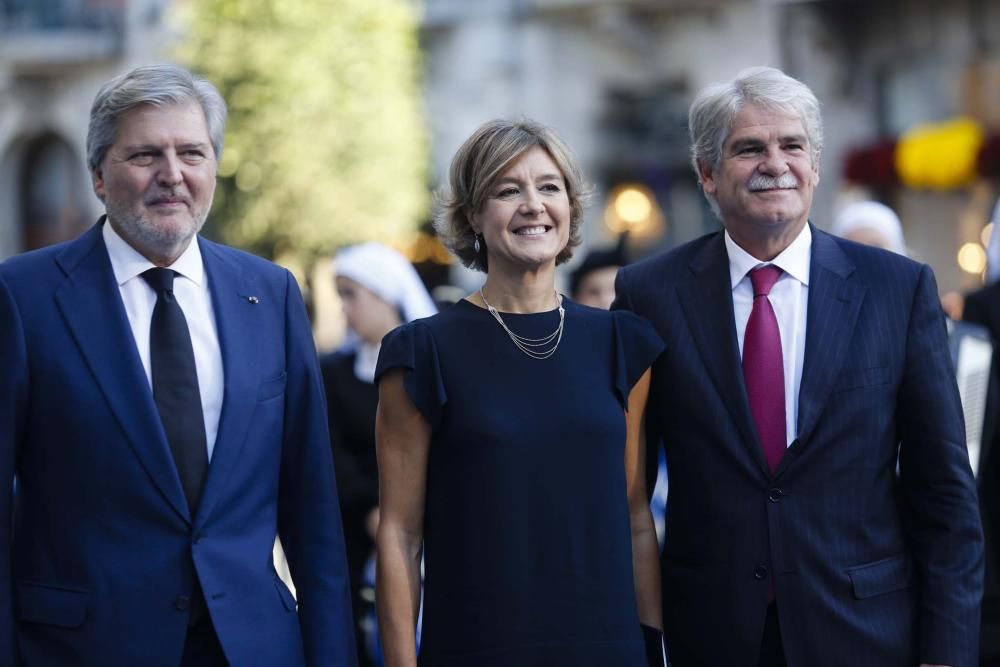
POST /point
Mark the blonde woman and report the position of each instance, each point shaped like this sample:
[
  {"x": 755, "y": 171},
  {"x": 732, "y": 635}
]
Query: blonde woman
[{"x": 509, "y": 438}]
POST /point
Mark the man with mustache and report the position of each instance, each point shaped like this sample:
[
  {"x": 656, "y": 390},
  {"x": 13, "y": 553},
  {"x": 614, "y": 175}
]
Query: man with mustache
[
  {"x": 822, "y": 510},
  {"x": 162, "y": 413}
]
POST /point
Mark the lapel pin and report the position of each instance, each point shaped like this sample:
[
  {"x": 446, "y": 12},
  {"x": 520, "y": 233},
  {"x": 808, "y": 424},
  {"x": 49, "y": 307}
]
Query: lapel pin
[{"x": 253, "y": 300}]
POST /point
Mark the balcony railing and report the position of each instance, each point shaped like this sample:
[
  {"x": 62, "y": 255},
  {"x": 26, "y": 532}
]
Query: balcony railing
[
  {"x": 54, "y": 32},
  {"x": 48, "y": 15}
]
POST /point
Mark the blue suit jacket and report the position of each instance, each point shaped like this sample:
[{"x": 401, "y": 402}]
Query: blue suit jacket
[
  {"x": 869, "y": 568},
  {"x": 104, "y": 551}
]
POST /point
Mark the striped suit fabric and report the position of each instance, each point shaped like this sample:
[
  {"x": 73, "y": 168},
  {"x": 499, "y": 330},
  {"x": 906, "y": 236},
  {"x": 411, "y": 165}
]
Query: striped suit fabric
[{"x": 869, "y": 529}]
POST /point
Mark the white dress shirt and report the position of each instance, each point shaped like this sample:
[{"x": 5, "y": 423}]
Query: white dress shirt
[
  {"x": 193, "y": 296},
  {"x": 789, "y": 297}
]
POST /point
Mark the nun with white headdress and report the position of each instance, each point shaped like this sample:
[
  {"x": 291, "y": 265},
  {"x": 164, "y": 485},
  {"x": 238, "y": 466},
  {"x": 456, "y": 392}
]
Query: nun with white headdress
[
  {"x": 379, "y": 290},
  {"x": 871, "y": 223}
]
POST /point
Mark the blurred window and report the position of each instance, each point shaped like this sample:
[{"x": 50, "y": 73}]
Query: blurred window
[{"x": 52, "y": 193}]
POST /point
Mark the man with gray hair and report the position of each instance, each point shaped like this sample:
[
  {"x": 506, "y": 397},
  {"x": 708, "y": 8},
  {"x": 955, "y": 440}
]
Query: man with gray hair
[
  {"x": 162, "y": 413},
  {"x": 822, "y": 509}
]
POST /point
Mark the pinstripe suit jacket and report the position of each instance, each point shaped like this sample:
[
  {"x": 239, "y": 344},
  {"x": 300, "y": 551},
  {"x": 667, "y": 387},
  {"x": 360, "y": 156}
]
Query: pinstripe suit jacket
[{"x": 870, "y": 566}]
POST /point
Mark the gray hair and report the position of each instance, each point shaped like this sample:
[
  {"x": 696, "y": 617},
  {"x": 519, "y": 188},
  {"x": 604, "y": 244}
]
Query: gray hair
[
  {"x": 156, "y": 84},
  {"x": 477, "y": 165},
  {"x": 713, "y": 110}
]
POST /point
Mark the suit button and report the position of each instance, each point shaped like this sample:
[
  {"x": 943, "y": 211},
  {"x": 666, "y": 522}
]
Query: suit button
[
  {"x": 196, "y": 540},
  {"x": 182, "y": 603},
  {"x": 774, "y": 495},
  {"x": 760, "y": 572}
]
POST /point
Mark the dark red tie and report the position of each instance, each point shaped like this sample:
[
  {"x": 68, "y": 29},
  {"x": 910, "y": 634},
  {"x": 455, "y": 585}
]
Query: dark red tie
[{"x": 763, "y": 369}]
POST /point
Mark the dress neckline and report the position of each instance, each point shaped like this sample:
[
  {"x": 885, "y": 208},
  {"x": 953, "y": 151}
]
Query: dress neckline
[{"x": 466, "y": 303}]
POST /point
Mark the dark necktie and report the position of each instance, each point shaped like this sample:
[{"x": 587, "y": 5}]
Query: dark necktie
[
  {"x": 175, "y": 386},
  {"x": 763, "y": 368}
]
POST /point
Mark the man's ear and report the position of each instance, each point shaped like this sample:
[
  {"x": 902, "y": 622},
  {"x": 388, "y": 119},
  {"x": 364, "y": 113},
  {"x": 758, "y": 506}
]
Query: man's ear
[
  {"x": 706, "y": 177},
  {"x": 97, "y": 177}
]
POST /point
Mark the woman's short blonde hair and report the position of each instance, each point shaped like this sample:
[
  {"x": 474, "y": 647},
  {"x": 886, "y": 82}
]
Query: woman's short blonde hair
[{"x": 477, "y": 165}]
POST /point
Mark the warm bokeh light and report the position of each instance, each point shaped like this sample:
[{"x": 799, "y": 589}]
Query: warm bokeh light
[
  {"x": 986, "y": 234},
  {"x": 633, "y": 206},
  {"x": 972, "y": 258}
]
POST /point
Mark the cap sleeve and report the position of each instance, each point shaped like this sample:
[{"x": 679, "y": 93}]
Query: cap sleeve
[
  {"x": 637, "y": 347},
  {"x": 412, "y": 348}
]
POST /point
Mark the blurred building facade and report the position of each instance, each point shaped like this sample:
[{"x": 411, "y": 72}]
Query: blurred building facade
[
  {"x": 54, "y": 54},
  {"x": 615, "y": 78}
]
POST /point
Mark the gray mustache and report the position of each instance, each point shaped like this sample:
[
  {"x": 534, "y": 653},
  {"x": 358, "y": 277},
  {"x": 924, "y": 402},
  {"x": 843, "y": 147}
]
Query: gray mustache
[{"x": 765, "y": 182}]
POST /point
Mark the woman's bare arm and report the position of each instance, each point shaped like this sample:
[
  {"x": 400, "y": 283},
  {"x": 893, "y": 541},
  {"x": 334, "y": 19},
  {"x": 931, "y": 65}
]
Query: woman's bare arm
[
  {"x": 645, "y": 551},
  {"x": 402, "y": 438}
]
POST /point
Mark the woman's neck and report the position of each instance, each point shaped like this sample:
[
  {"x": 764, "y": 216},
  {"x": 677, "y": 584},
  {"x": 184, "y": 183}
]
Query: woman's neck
[{"x": 527, "y": 292}]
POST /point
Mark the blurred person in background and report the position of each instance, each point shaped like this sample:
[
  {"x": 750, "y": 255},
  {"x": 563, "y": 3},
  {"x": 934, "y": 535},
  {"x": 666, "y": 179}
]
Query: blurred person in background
[
  {"x": 379, "y": 290},
  {"x": 799, "y": 370},
  {"x": 592, "y": 282},
  {"x": 870, "y": 223},
  {"x": 506, "y": 455},
  {"x": 161, "y": 407},
  {"x": 982, "y": 307}
]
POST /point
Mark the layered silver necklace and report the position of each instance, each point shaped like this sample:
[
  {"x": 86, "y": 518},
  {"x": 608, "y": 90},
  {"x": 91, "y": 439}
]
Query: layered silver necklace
[{"x": 533, "y": 347}]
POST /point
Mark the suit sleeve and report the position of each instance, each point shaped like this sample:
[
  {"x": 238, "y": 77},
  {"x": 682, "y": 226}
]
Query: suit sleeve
[
  {"x": 939, "y": 489},
  {"x": 13, "y": 374},
  {"x": 309, "y": 520},
  {"x": 654, "y": 433},
  {"x": 622, "y": 297},
  {"x": 973, "y": 310}
]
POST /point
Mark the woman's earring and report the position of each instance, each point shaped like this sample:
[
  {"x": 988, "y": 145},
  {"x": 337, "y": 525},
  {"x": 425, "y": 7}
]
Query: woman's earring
[{"x": 475, "y": 246}]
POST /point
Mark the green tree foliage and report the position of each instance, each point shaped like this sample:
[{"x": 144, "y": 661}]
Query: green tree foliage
[{"x": 325, "y": 143}]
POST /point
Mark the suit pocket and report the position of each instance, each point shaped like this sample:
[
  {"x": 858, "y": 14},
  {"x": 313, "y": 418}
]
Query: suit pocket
[
  {"x": 856, "y": 378},
  {"x": 881, "y": 576},
  {"x": 62, "y": 607},
  {"x": 286, "y": 596},
  {"x": 272, "y": 388}
]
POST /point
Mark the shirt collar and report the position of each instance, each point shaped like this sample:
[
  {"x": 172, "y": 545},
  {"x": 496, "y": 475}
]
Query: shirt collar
[
  {"x": 127, "y": 262},
  {"x": 793, "y": 260}
]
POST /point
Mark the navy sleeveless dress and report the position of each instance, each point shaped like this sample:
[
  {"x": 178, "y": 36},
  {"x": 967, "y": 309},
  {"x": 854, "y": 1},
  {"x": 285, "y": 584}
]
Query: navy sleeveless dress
[{"x": 527, "y": 545}]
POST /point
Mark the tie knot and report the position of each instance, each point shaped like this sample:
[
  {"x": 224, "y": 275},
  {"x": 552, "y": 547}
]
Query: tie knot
[
  {"x": 763, "y": 279},
  {"x": 160, "y": 279}
]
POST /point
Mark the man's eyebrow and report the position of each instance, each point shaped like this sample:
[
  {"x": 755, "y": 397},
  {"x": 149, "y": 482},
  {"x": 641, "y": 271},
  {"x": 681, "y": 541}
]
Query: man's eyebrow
[
  {"x": 795, "y": 139},
  {"x": 132, "y": 148},
  {"x": 746, "y": 142}
]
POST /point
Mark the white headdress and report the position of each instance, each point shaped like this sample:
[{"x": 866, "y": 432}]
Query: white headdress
[
  {"x": 993, "y": 249},
  {"x": 389, "y": 275},
  {"x": 875, "y": 216}
]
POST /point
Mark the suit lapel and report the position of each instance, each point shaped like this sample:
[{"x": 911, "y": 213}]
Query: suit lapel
[
  {"x": 236, "y": 322},
  {"x": 92, "y": 307},
  {"x": 707, "y": 300},
  {"x": 834, "y": 304}
]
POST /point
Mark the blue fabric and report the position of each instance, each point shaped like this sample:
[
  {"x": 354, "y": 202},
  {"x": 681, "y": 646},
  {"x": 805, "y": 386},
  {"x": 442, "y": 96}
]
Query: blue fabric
[
  {"x": 869, "y": 568},
  {"x": 106, "y": 551},
  {"x": 526, "y": 533}
]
